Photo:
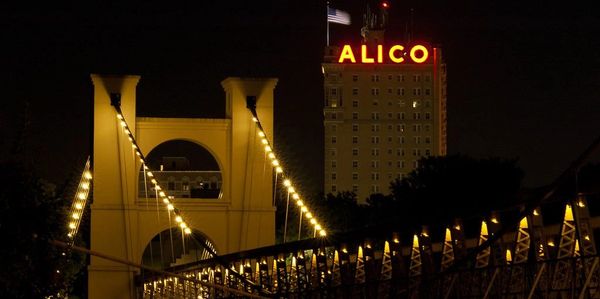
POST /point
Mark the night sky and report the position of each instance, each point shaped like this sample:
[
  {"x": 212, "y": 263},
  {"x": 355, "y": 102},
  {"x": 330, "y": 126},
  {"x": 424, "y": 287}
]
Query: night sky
[{"x": 523, "y": 81}]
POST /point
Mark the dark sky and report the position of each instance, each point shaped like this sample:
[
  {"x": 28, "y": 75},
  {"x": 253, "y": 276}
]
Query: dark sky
[{"x": 523, "y": 79}]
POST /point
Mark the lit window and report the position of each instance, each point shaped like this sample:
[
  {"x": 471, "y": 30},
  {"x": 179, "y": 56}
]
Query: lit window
[{"x": 185, "y": 186}]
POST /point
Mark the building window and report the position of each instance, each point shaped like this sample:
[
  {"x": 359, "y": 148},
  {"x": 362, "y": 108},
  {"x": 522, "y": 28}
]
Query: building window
[
  {"x": 354, "y": 127},
  {"x": 375, "y": 115},
  {"x": 334, "y": 91},
  {"x": 354, "y": 152},
  {"x": 400, "y": 152},
  {"x": 354, "y": 115},
  {"x": 355, "y": 176},
  {"x": 355, "y": 91},
  {"x": 375, "y": 91},
  {"x": 333, "y": 188},
  {"x": 375, "y": 176},
  {"x": 400, "y": 78},
  {"x": 355, "y": 188},
  {"x": 427, "y": 104},
  {"x": 374, "y": 152},
  {"x": 399, "y": 175},
  {"x": 416, "y": 128},
  {"x": 375, "y": 128},
  {"x": 185, "y": 186},
  {"x": 375, "y": 139},
  {"x": 390, "y": 127},
  {"x": 333, "y": 139},
  {"x": 415, "y": 164},
  {"x": 354, "y": 104},
  {"x": 400, "y": 91},
  {"x": 427, "y": 128},
  {"x": 427, "y": 91},
  {"x": 401, "y": 139},
  {"x": 389, "y": 90},
  {"x": 354, "y": 78},
  {"x": 416, "y": 91},
  {"x": 390, "y": 77},
  {"x": 415, "y": 104},
  {"x": 427, "y": 115},
  {"x": 427, "y": 77},
  {"x": 333, "y": 115},
  {"x": 416, "y": 152},
  {"x": 427, "y": 152},
  {"x": 354, "y": 163},
  {"x": 427, "y": 140},
  {"x": 375, "y": 102},
  {"x": 400, "y": 128},
  {"x": 333, "y": 128},
  {"x": 417, "y": 115},
  {"x": 374, "y": 164},
  {"x": 333, "y": 176},
  {"x": 374, "y": 188},
  {"x": 355, "y": 139},
  {"x": 333, "y": 164},
  {"x": 374, "y": 78},
  {"x": 416, "y": 78},
  {"x": 400, "y": 115},
  {"x": 400, "y": 164},
  {"x": 389, "y": 138},
  {"x": 333, "y": 152},
  {"x": 389, "y": 150},
  {"x": 171, "y": 186}
]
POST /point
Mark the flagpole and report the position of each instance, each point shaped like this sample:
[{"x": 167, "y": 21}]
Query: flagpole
[{"x": 327, "y": 20}]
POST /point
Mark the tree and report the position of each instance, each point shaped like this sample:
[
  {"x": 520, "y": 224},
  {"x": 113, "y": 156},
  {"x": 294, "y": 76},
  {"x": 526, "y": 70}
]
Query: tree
[
  {"x": 443, "y": 188},
  {"x": 30, "y": 216}
]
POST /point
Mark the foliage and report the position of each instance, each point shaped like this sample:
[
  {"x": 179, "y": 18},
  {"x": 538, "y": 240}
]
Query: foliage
[{"x": 30, "y": 216}]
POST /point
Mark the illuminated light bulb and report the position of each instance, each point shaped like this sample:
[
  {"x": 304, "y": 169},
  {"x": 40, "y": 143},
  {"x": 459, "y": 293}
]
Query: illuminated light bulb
[
  {"x": 264, "y": 141},
  {"x": 267, "y": 148},
  {"x": 291, "y": 189},
  {"x": 75, "y": 216},
  {"x": 81, "y": 195},
  {"x": 141, "y": 160},
  {"x": 457, "y": 227},
  {"x": 166, "y": 200},
  {"x": 396, "y": 240},
  {"x": 254, "y": 119},
  {"x": 171, "y": 197},
  {"x": 536, "y": 213},
  {"x": 178, "y": 219},
  {"x": 119, "y": 116},
  {"x": 157, "y": 187},
  {"x": 70, "y": 235},
  {"x": 187, "y": 231},
  {"x": 296, "y": 196},
  {"x": 154, "y": 181},
  {"x": 318, "y": 227},
  {"x": 300, "y": 203},
  {"x": 72, "y": 225},
  {"x": 425, "y": 234},
  {"x": 150, "y": 174},
  {"x": 312, "y": 221},
  {"x": 78, "y": 206},
  {"x": 287, "y": 183},
  {"x": 123, "y": 124},
  {"x": 88, "y": 175},
  {"x": 146, "y": 167},
  {"x": 271, "y": 156},
  {"x": 162, "y": 194},
  {"x": 581, "y": 204},
  {"x": 130, "y": 139},
  {"x": 279, "y": 169},
  {"x": 85, "y": 186},
  {"x": 551, "y": 243},
  {"x": 261, "y": 134},
  {"x": 494, "y": 220},
  {"x": 587, "y": 237},
  {"x": 308, "y": 215},
  {"x": 182, "y": 225},
  {"x": 322, "y": 233},
  {"x": 138, "y": 153},
  {"x": 127, "y": 132},
  {"x": 304, "y": 209},
  {"x": 345, "y": 250},
  {"x": 170, "y": 207},
  {"x": 275, "y": 163}
]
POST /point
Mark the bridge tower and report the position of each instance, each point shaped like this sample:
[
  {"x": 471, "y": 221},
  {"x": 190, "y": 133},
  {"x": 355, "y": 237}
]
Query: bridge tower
[{"x": 123, "y": 224}]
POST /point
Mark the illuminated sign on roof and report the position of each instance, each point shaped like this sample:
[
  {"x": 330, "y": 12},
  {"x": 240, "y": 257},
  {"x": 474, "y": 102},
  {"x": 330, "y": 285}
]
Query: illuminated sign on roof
[{"x": 393, "y": 54}]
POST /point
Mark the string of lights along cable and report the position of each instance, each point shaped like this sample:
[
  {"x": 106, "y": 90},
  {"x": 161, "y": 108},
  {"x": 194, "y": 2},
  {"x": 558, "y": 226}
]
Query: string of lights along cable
[
  {"x": 167, "y": 200},
  {"x": 79, "y": 202},
  {"x": 287, "y": 183}
]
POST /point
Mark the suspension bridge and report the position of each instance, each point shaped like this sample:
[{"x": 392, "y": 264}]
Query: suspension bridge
[{"x": 232, "y": 238}]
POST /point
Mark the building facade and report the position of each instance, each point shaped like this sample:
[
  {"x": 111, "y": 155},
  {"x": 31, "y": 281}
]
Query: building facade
[{"x": 384, "y": 109}]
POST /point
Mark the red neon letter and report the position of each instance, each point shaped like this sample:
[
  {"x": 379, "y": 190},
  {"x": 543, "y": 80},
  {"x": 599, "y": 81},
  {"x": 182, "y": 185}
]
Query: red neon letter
[
  {"x": 414, "y": 50},
  {"x": 393, "y": 57},
  {"x": 364, "y": 58},
  {"x": 347, "y": 54}
]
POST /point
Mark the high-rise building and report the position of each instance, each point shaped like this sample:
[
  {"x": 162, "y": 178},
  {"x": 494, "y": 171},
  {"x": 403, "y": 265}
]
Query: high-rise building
[{"x": 384, "y": 109}]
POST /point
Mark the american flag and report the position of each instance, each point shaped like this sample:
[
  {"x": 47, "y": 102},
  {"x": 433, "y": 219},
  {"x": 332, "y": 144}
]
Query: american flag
[{"x": 338, "y": 16}]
